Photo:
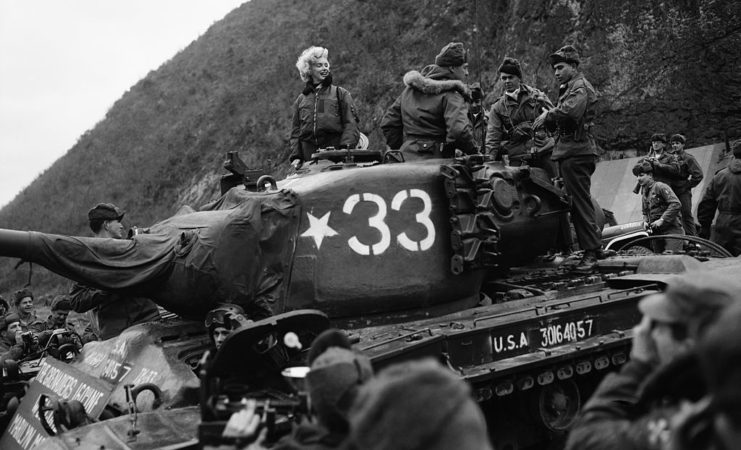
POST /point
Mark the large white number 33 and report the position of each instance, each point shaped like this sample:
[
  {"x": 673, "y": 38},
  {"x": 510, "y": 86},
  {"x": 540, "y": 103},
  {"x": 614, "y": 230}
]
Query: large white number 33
[
  {"x": 422, "y": 217},
  {"x": 376, "y": 222}
]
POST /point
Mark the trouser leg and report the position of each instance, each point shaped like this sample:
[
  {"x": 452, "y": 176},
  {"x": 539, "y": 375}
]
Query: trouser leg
[
  {"x": 688, "y": 222},
  {"x": 577, "y": 178}
]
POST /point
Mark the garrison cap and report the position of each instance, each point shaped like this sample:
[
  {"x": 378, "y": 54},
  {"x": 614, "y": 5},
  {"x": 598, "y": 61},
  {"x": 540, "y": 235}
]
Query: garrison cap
[
  {"x": 677, "y": 138},
  {"x": 643, "y": 167},
  {"x": 661, "y": 137},
  {"x": 8, "y": 319},
  {"x": 61, "y": 302},
  {"x": 452, "y": 55},
  {"x": 694, "y": 299},
  {"x": 105, "y": 211},
  {"x": 567, "y": 54},
  {"x": 21, "y": 294},
  {"x": 511, "y": 66}
]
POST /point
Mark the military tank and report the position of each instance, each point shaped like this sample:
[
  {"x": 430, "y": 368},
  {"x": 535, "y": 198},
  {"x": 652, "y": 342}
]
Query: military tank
[{"x": 439, "y": 258}]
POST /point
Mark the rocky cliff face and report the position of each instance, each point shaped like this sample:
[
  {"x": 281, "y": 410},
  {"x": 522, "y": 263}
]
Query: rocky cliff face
[{"x": 669, "y": 66}]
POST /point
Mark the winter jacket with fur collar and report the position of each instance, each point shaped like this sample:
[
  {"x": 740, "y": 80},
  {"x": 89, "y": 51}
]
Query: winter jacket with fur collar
[{"x": 433, "y": 106}]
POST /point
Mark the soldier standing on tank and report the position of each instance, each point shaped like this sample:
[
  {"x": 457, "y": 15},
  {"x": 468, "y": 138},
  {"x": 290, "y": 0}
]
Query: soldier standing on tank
[
  {"x": 323, "y": 114},
  {"x": 430, "y": 117},
  {"x": 660, "y": 208},
  {"x": 690, "y": 175},
  {"x": 665, "y": 165},
  {"x": 634, "y": 407},
  {"x": 724, "y": 195},
  {"x": 510, "y": 131},
  {"x": 110, "y": 313},
  {"x": 575, "y": 150}
]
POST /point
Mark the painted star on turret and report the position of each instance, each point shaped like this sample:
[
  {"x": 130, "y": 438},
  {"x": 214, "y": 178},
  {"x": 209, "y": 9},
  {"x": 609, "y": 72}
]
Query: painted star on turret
[{"x": 318, "y": 228}]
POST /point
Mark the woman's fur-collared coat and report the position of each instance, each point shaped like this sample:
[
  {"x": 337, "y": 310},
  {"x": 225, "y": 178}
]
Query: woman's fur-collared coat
[{"x": 433, "y": 106}]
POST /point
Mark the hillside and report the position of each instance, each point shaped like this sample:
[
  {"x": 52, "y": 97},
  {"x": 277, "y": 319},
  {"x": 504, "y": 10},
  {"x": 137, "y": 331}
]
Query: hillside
[{"x": 660, "y": 66}]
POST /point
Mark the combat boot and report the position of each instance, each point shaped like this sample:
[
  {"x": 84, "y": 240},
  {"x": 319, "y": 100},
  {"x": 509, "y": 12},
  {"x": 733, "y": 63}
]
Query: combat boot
[{"x": 588, "y": 263}]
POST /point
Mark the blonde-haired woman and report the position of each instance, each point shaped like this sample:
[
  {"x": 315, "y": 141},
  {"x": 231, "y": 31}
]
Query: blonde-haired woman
[{"x": 323, "y": 114}]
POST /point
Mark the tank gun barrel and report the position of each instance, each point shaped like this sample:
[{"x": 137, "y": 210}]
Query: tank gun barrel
[{"x": 113, "y": 264}]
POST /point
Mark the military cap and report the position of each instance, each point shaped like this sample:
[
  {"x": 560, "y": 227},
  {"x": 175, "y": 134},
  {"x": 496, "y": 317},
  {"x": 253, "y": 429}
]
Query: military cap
[
  {"x": 105, "y": 211},
  {"x": 661, "y": 137},
  {"x": 390, "y": 409},
  {"x": 694, "y": 299},
  {"x": 452, "y": 55},
  {"x": 225, "y": 315},
  {"x": 21, "y": 294},
  {"x": 61, "y": 302},
  {"x": 643, "y": 167},
  {"x": 677, "y": 138},
  {"x": 736, "y": 148},
  {"x": 567, "y": 54},
  {"x": 335, "y": 376},
  {"x": 9, "y": 319},
  {"x": 511, "y": 66}
]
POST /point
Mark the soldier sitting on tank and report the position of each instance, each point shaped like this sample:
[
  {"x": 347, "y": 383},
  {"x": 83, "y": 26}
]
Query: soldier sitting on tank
[
  {"x": 57, "y": 320},
  {"x": 661, "y": 208},
  {"x": 633, "y": 408},
  {"x": 14, "y": 342},
  {"x": 510, "y": 131},
  {"x": 224, "y": 320},
  {"x": 24, "y": 307},
  {"x": 430, "y": 117},
  {"x": 110, "y": 313}
]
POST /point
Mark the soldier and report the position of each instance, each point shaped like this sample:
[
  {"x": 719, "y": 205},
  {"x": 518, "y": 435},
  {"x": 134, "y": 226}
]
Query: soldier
[
  {"x": 60, "y": 308},
  {"x": 23, "y": 302},
  {"x": 665, "y": 165},
  {"x": 417, "y": 405},
  {"x": 430, "y": 117},
  {"x": 11, "y": 343},
  {"x": 633, "y": 408},
  {"x": 715, "y": 421},
  {"x": 224, "y": 320},
  {"x": 323, "y": 114},
  {"x": 575, "y": 150},
  {"x": 660, "y": 208},
  {"x": 510, "y": 131},
  {"x": 724, "y": 194},
  {"x": 4, "y": 306},
  {"x": 110, "y": 313},
  {"x": 337, "y": 373},
  {"x": 690, "y": 175}
]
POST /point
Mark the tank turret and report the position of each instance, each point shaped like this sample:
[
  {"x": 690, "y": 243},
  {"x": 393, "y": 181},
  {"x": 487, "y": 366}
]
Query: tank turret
[{"x": 375, "y": 241}]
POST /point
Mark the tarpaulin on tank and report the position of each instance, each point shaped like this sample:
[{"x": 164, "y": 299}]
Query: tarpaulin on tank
[{"x": 236, "y": 249}]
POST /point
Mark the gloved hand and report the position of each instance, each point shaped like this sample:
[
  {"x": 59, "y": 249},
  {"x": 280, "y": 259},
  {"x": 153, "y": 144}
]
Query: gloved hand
[{"x": 704, "y": 232}]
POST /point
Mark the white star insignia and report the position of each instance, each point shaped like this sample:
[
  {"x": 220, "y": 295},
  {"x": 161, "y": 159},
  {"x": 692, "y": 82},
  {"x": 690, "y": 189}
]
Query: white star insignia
[{"x": 318, "y": 228}]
